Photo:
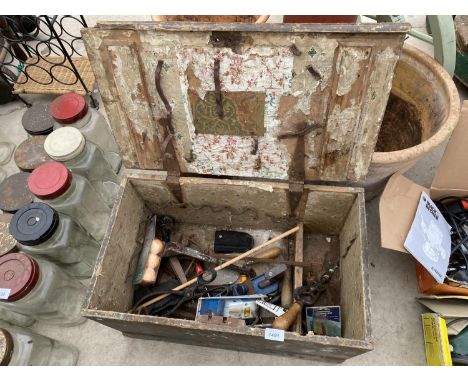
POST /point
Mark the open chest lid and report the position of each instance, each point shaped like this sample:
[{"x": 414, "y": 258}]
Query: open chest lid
[{"x": 297, "y": 102}]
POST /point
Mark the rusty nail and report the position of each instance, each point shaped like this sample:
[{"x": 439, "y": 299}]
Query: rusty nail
[
  {"x": 313, "y": 72},
  {"x": 255, "y": 146},
  {"x": 295, "y": 50},
  {"x": 218, "y": 95}
]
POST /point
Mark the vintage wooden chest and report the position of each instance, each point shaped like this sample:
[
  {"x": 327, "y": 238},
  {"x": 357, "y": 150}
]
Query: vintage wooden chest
[{"x": 227, "y": 126}]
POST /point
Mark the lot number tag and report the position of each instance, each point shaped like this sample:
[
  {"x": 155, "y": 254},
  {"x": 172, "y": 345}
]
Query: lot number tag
[
  {"x": 4, "y": 293},
  {"x": 274, "y": 334}
]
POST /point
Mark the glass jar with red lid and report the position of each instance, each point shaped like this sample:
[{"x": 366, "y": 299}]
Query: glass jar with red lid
[
  {"x": 23, "y": 347},
  {"x": 40, "y": 289},
  {"x": 42, "y": 232},
  {"x": 72, "y": 109},
  {"x": 84, "y": 158},
  {"x": 72, "y": 195}
]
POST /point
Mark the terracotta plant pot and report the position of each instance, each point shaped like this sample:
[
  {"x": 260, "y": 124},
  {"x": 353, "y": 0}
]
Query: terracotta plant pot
[
  {"x": 422, "y": 112},
  {"x": 324, "y": 19}
]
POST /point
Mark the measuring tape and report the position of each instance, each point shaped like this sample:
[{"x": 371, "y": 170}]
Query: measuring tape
[{"x": 275, "y": 309}]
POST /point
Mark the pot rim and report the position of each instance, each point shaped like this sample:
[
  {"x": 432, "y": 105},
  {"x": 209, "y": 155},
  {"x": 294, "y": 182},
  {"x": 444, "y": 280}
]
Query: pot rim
[{"x": 447, "y": 127}]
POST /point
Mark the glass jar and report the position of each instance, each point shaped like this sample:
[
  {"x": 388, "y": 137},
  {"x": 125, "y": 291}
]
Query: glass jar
[
  {"x": 84, "y": 158},
  {"x": 37, "y": 119},
  {"x": 23, "y": 347},
  {"x": 14, "y": 192},
  {"x": 72, "y": 109},
  {"x": 7, "y": 242},
  {"x": 30, "y": 153},
  {"x": 40, "y": 289},
  {"x": 42, "y": 232},
  {"x": 6, "y": 151},
  {"x": 14, "y": 318},
  {"x": 71, "y": 195}
]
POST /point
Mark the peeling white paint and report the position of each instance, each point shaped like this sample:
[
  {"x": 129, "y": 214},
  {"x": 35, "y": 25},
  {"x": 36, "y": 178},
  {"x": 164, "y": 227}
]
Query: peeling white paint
[
  {"x": 304, "y": 102},
  {"x": 349, "y": 68},
  {"x": 127, "y": 81},
  {"x": 341, "y": 124}
]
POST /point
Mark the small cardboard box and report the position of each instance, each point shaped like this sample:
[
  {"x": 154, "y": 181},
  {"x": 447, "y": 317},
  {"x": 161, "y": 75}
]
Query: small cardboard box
[{"x": 401, "y": 197}]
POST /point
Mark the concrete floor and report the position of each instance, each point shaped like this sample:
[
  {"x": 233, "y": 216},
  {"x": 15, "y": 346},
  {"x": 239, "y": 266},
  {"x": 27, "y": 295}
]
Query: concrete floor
[{"x": 396, "y": 321}]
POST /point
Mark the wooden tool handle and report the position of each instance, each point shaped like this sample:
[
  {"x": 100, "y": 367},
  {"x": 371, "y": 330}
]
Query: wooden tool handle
[
  {"x": 269, "y": 253},
  {"x": 262, "y": 19},
  {"x": 152, "y": 263},
  {"x": 286, "y": 320},
  {"x": 286, "y": 289}
]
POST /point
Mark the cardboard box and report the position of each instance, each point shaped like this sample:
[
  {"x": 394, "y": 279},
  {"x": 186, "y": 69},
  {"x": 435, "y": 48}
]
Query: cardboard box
[{"x": 401, "y": 197}]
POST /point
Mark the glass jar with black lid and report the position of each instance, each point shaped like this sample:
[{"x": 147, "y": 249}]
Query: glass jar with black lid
[{"x": 42, "y": 232}]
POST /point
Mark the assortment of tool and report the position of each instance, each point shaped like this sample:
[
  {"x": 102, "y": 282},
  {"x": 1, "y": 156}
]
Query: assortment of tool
[{"x": 176, "y": 280}]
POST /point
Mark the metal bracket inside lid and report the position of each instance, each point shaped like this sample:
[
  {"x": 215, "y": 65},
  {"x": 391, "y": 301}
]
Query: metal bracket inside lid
[
  {"x": 296, "y": 194},
  {"x": 168, "y": 153}
]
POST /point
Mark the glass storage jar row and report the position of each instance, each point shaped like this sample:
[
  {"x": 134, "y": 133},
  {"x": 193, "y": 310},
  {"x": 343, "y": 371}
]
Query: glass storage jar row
[{"x": 71, "y": 109}]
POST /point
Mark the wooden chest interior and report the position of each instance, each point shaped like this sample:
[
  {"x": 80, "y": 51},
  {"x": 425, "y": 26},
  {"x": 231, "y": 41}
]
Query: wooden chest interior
[{"x": 332, "y": 229}]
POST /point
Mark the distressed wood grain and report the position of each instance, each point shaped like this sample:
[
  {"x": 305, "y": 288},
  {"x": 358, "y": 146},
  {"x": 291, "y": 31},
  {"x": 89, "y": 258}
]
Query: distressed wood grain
[
  {"x": 372, "y": 28},
  {"x": 320, "y": 348},
  {"x": 298, "y": 275},
  {"x": 355, "y": 295}
]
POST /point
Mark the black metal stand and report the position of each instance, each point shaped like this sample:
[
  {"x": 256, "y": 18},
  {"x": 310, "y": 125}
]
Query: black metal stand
[{"x": 26, "y": 40}]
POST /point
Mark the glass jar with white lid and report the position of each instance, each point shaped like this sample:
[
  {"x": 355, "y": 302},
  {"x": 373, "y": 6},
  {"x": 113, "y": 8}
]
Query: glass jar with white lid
[
  {"x": 42, "y": 232},
  {"x": 72, "y": 109},
  {"x": 40, "y": 289},
  {"x": 23, "y": 347},
  {"x": 82, "y": 157},
  {"x": 72, "y": 195}
]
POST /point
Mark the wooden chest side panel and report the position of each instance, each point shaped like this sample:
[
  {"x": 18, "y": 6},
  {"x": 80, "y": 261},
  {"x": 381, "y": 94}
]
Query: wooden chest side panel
[
  {"x": 111, "y": 285},
  {"x": 127, "y": 86},
  {"x": 328, "y": 349},
  {"x": 355, "y": 298},
  {"x": 219, "y": 202},
  {"x": 375, "y": 94},
  {"x": 326, "y": 212},
  {"x": 246, "y": 203}
]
